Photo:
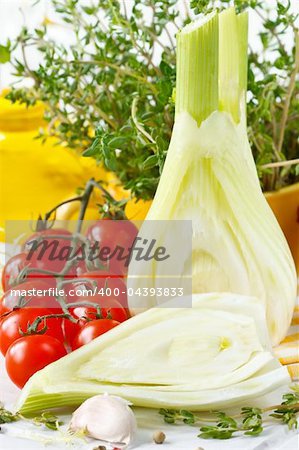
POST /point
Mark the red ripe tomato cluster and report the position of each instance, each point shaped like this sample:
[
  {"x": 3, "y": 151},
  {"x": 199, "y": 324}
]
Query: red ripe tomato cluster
[{"x": 37, "y": 330}]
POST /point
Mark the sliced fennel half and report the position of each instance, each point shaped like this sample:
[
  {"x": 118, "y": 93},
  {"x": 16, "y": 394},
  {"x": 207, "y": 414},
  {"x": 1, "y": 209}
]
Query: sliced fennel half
[
  {"x": 209, "y": 177},
  {"x": 212, "y": 355}
]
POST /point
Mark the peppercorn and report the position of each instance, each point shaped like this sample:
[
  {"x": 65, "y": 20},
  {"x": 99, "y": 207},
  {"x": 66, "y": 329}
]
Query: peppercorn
[{"x": 159, "y": 437}]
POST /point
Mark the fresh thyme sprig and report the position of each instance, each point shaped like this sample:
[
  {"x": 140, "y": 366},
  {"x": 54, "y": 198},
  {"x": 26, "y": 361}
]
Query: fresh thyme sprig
[
  {"x": 7, "y": 416},
  {"x": 289, "y": 409},
  {"x": 252, "y": 421},
  {"x": 248, "y": 422},
  {"x": 173, "y": 416},
  {"x": 47, "y": 419},
  {"x": 226, "y": 426}
]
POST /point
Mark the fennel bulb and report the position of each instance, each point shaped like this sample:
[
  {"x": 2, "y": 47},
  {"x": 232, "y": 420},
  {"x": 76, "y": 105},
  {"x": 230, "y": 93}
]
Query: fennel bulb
[
  {"x": 210, "y": 177},
  {"x": 212, "y": 355}
]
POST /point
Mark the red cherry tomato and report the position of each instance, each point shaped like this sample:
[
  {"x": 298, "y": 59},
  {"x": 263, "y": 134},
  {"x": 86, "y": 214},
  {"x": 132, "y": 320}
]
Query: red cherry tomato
[
  {"x": 19, "y": 262},
  {"x": 50, "y": 249},
  {"x": 29, "y": 354},
  {"x": 91, "y": 330},
  {"x": 112, "y": 234},
  {"x": 28, "y": 296},
  {"x": 14, "y": 266},
  {"x": 102, "y": 280},
  {"x": 121, "y": 232},
  {"x": 49, "y": 234},
  {"x": 11, "y": 270},
  {"x": 12, "y": 325},
  {"x": 114, "y": 311},
  {"x": 85, "y": 314}
]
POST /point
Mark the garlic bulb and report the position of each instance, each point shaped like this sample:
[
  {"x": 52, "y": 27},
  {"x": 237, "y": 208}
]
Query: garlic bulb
[{"x": 107, "y": 418}]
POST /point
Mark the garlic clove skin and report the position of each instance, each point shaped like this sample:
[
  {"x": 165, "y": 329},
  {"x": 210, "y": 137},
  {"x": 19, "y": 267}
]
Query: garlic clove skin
[{"x": 107, "y": 418}]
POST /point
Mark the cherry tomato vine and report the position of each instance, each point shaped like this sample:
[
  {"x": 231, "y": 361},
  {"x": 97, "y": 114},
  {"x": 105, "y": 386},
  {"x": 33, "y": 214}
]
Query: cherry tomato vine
[{"x": 76, "y": 321}]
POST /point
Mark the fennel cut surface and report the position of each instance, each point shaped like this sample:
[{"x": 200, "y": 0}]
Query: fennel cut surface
[
  {"x": 210, "y": 177},
  {"x": 212, "y": 355}
]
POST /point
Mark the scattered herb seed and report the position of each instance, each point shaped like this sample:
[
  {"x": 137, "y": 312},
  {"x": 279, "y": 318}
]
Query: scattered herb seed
[{"x": 159, "y": 437}]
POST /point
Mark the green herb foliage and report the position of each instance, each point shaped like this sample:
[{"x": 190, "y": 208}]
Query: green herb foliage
[
  {"x": 49, "y": 420},
  {"x": 110, "y": 94},
  {"x": 7, "y": 416},
  {"x": 288, "y": 411},
  {"x": 46, "y": 418},
  {"x": 249, "y": 422}
]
